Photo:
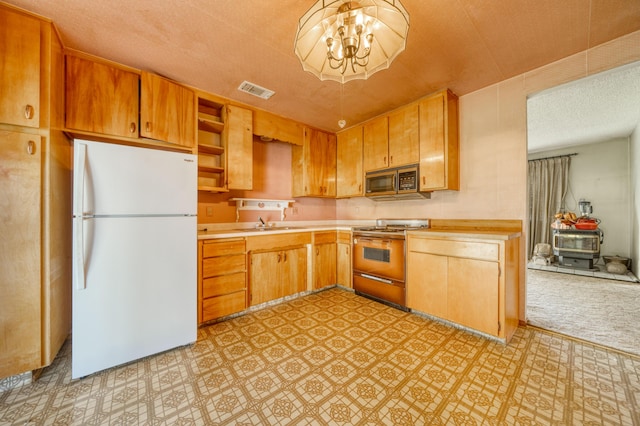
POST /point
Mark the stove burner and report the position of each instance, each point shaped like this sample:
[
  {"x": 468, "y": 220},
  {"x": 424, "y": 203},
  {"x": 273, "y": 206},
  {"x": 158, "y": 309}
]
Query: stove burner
[
  {"x": 395, "y": 225},
  {"x": 386, "y": 228}
]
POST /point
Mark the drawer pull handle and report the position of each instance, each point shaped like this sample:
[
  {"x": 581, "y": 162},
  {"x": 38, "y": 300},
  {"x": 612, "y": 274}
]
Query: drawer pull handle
[
  {"x": 31, "y": 147},
  {"x": 29, "y": 112},
  {"x": 132, "y": 127}
]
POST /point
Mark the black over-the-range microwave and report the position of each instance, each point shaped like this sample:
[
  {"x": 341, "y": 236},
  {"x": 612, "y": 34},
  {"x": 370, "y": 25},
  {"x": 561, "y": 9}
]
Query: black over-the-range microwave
[{"x": 393, "y": 184}]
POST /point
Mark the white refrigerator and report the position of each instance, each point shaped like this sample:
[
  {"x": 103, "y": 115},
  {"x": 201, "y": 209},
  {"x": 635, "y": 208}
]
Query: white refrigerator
[{"x": 134, "y": 254}]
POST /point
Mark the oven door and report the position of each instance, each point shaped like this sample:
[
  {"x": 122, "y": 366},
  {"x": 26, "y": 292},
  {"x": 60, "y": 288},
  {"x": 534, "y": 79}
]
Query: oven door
[{"x": 379, "y": 256}]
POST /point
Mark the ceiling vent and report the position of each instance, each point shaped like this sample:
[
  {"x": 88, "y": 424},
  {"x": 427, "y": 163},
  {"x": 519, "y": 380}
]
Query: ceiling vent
[{"x": 255, "y": 90}]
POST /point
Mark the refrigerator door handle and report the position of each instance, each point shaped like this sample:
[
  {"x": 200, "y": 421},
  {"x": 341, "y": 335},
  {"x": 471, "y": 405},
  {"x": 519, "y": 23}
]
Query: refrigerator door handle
[
  {"x": 79, "y": 163},
  {"x": 78, "y": 205}
]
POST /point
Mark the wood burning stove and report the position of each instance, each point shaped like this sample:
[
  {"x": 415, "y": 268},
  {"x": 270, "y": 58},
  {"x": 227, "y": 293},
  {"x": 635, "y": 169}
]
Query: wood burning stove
[{"x": 577, "y": 248}]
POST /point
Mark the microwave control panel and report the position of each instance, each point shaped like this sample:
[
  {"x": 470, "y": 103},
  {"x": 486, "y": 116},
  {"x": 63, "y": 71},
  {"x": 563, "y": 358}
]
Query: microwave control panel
[{"x": 407, "y": 181}]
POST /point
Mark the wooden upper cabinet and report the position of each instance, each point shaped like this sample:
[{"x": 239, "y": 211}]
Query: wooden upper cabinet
[
  {"x": 238, "y": 133},
  {"x": 167, "y": 111},
  {"x": 349, "y": 174},
  {"x": 404, "y": 136},
  {"x": 271, "y": 127},
  {"x": 376, "y": 144},
  {"x": 20, "y": 66},
  {"x": 314, "y": 165},
  {"x": 101, "y": 98},
  {"x": 439, "y": 159}
]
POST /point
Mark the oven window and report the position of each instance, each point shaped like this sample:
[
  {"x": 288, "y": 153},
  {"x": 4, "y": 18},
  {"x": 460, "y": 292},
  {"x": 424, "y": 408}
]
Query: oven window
[{"x": 379, "y": 255}]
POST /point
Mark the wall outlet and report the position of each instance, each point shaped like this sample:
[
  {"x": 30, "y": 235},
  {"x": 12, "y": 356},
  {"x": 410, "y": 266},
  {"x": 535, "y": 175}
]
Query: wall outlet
[{"x": 209, "y": 211}]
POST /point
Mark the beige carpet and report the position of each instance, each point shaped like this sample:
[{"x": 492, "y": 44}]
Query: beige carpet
[{"x": 601, "y": 311}]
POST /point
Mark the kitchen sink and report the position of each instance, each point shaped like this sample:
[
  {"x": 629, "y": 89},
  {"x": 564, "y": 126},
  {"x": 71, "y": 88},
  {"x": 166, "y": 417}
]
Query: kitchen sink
[{"x": 268, "y": 229}]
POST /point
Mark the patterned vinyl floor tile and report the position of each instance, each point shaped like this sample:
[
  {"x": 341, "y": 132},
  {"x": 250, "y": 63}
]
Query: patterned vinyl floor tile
[{"x": 335, "y": 358}]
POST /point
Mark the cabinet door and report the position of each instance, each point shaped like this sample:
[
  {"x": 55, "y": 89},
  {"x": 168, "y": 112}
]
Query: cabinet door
[
  {"x": 101, "y": 98},
  {"x": 320, "y": 156},
  {"x": 324, "y": 265},
  {"x": 20, "y": 65},
  {"x": 427, "y": 283},
  {"x": 167, "y": 111},
  {"x": 439, "y": 162},
  {"x": 20, "y": 282},
  {"x": 344, "y": 271},
  {"x": 294, "y": 271},
  {"x": 349, "y": 166},
  {"x": 265, "y": 271},
  {"x": 376, "y": 144},
  {"x": 472, "y": 295},
  {"x": 239, "y": 147},
  {"x": 404, "y": 137}
]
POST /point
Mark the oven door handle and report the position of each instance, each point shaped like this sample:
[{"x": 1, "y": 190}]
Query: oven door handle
[
  {"x": 374, "y": 241},
  {"x": 382, "y": 280}
]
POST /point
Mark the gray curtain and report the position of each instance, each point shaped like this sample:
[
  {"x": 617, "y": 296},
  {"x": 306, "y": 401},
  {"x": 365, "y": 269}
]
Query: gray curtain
[{"x": 548, "y": 184}]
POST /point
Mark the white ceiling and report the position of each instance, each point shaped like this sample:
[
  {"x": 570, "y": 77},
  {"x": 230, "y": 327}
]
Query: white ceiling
[
  {"x": 214, "y": 45},
  {"x": 593, "y": 109}
]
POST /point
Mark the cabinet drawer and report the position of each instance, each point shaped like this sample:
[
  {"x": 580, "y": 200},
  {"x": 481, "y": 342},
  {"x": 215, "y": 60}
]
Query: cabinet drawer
[
  {"x": 324, "y": 237},
  {"x": 224, "y": 284},
  {"x": 220, "y": 306},
  {"x": 344, "y": 237},
  {"x": 278, "y": 241},
  {"x": 467, "y": 249},
  {"x": 222, "y": 248},
  {"x": 223, "y": 265}
]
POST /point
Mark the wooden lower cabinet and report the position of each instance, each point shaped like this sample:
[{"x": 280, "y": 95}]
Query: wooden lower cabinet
[
  {"x": 427, "y": 283},
  {"x": 277, "y": 265},
  {"x": 20, "y": 283},
  {"x": 343, "y": 259},
  {"x": 223, "y": 278},
  {"x": 472, "y": 294},
  {"x": 276, "y": 274},
  {"x": 471, "y": 282},
  {"x": 324, "y": 259}
]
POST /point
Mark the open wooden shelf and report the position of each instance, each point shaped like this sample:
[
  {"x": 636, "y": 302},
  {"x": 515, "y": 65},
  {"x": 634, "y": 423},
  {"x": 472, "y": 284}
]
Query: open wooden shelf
[
  {"x": 207, "y": 169},
  {"x": 211, "y": 149},
  {"x": 212, "y": 189},
  {"x": 208, "y": 125}
]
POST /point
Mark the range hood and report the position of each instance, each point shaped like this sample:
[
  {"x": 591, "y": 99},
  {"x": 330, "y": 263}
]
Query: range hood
[{"x": 405, "y": 196}]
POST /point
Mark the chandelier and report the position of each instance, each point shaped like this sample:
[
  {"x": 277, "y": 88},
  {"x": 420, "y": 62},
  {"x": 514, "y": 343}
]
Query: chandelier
[{"x": 345, "y": 40}]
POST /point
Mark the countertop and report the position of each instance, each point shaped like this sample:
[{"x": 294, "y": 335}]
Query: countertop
[
  {"x": 235, "y": 230},
  {"x": 467, "y": 233}
]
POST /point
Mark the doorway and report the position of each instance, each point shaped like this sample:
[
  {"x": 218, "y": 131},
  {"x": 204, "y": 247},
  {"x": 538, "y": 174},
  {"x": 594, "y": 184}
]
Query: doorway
[{"x": 594, "y": 118}]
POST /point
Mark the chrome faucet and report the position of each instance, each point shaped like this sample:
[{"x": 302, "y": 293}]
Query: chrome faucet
[{"x": 262, "y": 223}]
